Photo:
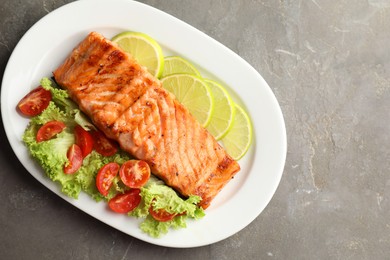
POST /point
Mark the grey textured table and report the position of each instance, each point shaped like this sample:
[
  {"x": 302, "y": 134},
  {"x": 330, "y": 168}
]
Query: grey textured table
[{"x": 328, "y": 63}]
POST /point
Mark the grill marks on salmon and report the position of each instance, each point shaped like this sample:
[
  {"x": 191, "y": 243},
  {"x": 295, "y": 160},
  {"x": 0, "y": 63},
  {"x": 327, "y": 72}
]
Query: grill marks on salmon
[
  {"x": 129, "y": 105},
  {"x": 103, "y": 80}
]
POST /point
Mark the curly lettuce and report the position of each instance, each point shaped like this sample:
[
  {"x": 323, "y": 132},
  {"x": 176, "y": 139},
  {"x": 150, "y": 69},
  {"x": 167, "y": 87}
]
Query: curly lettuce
[{"x": 157, "y": 195}]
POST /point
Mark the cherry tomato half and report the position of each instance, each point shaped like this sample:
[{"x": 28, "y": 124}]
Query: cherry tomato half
[
  {"x": 105, "y": 177},
  {"x": 75, "y": 158},
  {"x": 49, "y": 130},
  {"x": 126, "y": 202},
  {"x": 134, "y": 173},
  {"x": 161, "y": 215},
  {"x": 84, "y": 140},
  {"x": 35, "y": 102},
  {"x": 103, "y": 145}
]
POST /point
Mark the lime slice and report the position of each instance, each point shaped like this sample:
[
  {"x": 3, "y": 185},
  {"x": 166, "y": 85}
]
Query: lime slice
[
  {"x": 223, "y": 114},
  {"x": 239, "y": 137},
  {"x": 193, "y": 93},
  {"x": 144, "y": 49},
  {"x": 177, "y": 64}
]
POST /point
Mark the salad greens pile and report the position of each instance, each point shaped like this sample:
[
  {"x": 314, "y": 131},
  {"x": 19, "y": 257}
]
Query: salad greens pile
[{"x": 52, "y": 156}]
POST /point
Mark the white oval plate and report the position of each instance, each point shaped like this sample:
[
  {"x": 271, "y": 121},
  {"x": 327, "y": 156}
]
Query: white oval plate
[{"x": 44, "y": 47}]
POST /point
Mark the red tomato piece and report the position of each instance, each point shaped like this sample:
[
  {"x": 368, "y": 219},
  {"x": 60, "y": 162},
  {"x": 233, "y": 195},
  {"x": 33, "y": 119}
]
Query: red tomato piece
[
  {"x": 103, "y": 144},
  {"x": 49, "y": 130},
  {"x": 105, "y": 177},
  {"x": 35, "y": 102},
  {"x": 126, "y": 202},
  {"x": 84, "y": 140},
  {"x": 161, "y": 215},
  {"x": 75, "y": 158},
  {"x": 134, "y": 173}
]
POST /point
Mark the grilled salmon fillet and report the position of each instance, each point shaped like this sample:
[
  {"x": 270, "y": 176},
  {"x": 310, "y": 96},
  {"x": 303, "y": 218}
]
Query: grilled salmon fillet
[{"x": 130, "y": 106}]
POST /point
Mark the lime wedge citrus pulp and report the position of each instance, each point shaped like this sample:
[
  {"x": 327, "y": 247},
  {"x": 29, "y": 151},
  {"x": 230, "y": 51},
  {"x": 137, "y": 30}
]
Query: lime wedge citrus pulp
[
  {"x": 177, "y": 64},
  {"x": 193, "y": 93},
  {"x": 224, "y": 110},
  {"x": 239, "y": 137},
  {"x": 144, "y": 49}
]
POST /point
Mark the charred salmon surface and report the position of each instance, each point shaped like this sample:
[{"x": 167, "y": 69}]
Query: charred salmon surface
[{"x": 130, "y": 106}]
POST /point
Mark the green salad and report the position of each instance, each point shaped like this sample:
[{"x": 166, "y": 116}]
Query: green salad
[{"x": 158, "y": 204}]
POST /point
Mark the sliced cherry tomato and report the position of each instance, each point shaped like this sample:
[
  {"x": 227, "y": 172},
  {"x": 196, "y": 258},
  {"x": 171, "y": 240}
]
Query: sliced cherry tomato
[
  {"x": 105, "y": 177},
  {"x": 49, "y": 130},
  {"x": 103, "y": 144},
  {"x": 161, "y": 215},
  {"x": 75, "y": 158},
  {"x": 84, "y": 140},
  {"x": 134, "y": 173},
  {"x": 126, "y": 202},
  {"x": 35, "y": 102}
]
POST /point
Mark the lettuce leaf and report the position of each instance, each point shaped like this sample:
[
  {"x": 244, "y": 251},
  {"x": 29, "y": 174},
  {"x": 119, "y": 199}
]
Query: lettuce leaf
[
  {"x": 59, "y": 96},
  {"x": 157, "y": 195},
  {"x": 53, "y": 162}
]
